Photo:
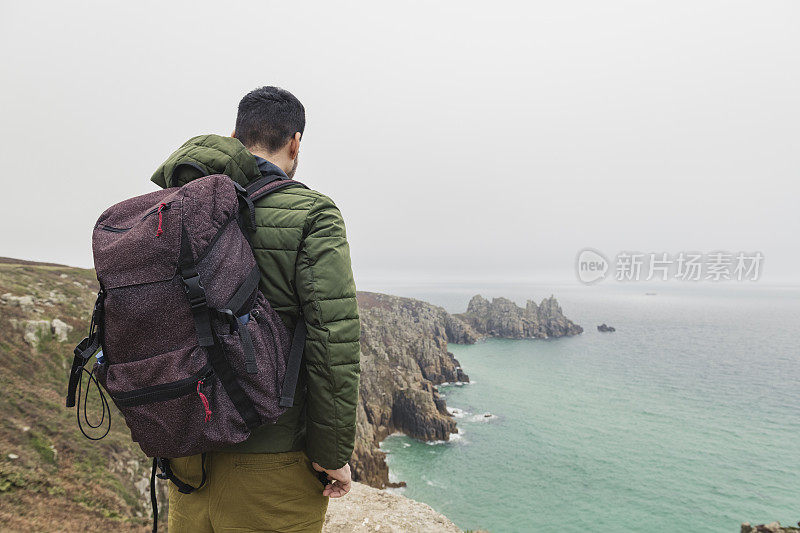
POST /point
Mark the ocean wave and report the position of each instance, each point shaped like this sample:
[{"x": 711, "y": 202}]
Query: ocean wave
[
  {"x": 468, "y": 416},
  {"x": 457, "y": 413},
  {"x": 454, "y": 437},
  {"x": 455, "y": 383}
]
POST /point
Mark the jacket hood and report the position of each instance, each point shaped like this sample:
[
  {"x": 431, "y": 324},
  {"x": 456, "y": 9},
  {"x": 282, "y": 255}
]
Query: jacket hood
[{"x": 204, "y": 155}]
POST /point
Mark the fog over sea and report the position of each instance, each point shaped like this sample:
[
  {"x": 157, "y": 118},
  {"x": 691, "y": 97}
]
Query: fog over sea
[{"x": 687, "y": 418}]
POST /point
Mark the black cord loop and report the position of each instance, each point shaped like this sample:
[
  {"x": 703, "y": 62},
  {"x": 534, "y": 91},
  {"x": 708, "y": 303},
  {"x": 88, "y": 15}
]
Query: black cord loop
[{"x": 106, "y": 410}]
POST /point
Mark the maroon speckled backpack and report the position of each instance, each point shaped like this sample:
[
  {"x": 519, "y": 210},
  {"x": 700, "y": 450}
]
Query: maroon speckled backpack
[{"x": 190, "y": 351}]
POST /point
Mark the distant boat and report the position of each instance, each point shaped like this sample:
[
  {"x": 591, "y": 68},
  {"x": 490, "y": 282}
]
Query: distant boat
[{"x": 649, "y": 294}]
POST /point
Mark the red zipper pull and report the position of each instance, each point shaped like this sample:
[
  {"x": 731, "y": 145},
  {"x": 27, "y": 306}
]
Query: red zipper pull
[
  {"x": 204, "y": 400},
  {"x": 159, "y": 231}
]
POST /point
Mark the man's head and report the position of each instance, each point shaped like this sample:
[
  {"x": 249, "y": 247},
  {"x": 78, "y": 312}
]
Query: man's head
[{"x": 269, "y": 124}]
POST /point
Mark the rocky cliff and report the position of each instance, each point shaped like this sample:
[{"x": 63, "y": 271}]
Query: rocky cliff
[
  {"x": 403, "y": 356},
  {"x": 503, "y": 318}
]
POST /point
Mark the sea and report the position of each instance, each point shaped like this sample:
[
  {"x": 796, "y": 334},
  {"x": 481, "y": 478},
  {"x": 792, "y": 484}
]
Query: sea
[{"x": 685, "y": 419}]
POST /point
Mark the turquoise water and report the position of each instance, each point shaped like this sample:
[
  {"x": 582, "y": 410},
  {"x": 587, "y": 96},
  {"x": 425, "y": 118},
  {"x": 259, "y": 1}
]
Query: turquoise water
[{"x": 685, "y": 419}]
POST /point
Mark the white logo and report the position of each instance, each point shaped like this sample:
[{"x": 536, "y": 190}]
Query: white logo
[{"x": 591, "y": 266}]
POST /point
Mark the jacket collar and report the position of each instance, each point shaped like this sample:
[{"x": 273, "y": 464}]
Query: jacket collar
[{"x": 268, "y": 168}]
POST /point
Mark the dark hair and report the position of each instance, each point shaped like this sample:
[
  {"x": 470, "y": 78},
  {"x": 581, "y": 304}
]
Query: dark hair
[{"x": 268, "y": 118}]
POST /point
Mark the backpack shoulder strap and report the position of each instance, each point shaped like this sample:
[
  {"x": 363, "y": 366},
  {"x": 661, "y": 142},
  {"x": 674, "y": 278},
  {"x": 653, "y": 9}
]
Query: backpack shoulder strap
[
  {"x": 255, "y": 191},
  {"x": 267, "y": 185}
]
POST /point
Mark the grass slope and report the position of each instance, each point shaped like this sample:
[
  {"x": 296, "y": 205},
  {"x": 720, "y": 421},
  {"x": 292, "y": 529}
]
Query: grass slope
[{"x": 51, "y": 477}]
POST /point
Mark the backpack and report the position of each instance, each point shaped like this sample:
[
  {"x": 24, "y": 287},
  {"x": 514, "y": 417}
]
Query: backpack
[{"x": 187, "y": 346}]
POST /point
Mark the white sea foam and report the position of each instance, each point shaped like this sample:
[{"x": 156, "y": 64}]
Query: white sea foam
[
  {"x": 455, "y": 383},
  {"x": 458, "y": 435},
  {"x": 457, "y": 413},
  {"x": 432, "y": 483}
]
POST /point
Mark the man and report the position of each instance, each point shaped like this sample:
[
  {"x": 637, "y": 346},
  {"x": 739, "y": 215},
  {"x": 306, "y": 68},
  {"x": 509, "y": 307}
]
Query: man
[{"x": 270, "y": 481}]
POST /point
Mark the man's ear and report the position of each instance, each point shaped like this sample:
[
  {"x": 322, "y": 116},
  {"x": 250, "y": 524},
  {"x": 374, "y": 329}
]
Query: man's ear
[
  {"x": 294, "y": 146},
  {"x": 233, "y": 134}
]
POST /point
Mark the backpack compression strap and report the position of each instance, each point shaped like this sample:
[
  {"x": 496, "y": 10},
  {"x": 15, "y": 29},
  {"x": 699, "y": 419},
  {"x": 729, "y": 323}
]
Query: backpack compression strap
[{"x": 208, "y": 339}]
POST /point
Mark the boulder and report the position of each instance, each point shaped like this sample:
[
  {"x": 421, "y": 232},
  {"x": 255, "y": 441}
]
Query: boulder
[
  {"x": 772, "y": 527},
  {"x": 26, "y": 302},
  {"x": 60, "y": 329},
  {"x": 33, "y": 330}
]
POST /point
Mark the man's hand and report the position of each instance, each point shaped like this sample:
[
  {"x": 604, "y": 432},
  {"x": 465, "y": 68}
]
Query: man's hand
[{"x": 340, "y": 480}]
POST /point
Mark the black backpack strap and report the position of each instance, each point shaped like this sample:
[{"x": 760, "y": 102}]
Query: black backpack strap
[
  {"x": 255, "y": 190},
  {"x": 163, "y": 464},
  {"x": 153, "y": 495},
  {"x": 242, "y": 402},
  {"x": 200, "y": 169},
  {"x": 166, "y": 473},
  {"x": 86, "y": 348},
  {"x": 236, "y": 308},
  {"x": 250, "y": 365},
  {"x": 244, "y": 292},
  {"x": 195, "y": 291},
  {"x": 208, "y": 339},
  {"x": 261, "y": 182},
  {"x": 83, "y": 352},
  {"x": 268, "y": 187},
  {"x": 293, "y": 364}
]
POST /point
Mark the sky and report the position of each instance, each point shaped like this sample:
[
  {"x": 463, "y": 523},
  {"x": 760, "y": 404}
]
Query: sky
[{"x": 461, "y": 140}]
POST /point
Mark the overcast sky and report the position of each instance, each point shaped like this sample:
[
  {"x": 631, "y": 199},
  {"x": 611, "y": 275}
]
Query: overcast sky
[{"x": 473, "y": 140}]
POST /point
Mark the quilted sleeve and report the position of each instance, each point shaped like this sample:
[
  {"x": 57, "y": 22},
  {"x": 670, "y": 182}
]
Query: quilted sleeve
[{"x": 328, "y": 296}]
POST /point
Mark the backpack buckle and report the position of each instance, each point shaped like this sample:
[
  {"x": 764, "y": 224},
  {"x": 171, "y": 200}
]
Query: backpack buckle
[
  {"x": 160, "y": 464},
  {"x": 195, "y": 291},
  {"x": 230, "y": 318}
]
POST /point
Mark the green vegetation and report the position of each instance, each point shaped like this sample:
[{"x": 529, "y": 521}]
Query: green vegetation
[
  {"x": 48, "y": 470},
  {"x": 43, "y": 447}
]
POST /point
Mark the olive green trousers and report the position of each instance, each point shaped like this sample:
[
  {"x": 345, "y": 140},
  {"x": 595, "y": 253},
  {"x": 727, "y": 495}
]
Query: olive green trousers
[{"x": 271, "y": 492}]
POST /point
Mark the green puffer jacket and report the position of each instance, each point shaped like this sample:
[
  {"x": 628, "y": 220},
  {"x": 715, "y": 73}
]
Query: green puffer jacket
[{"x": 301, "y": 248}]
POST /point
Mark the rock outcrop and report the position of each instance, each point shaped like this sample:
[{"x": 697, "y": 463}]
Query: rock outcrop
[
  {"x": 773, "y": 527},
  {"x": 403, "y": 356},
  {"x": 34, "y": 331},
  {"x": 503, "y": 318},
  {"x": 367, "y": 509},
  {"x": 603, "y": 328}
]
